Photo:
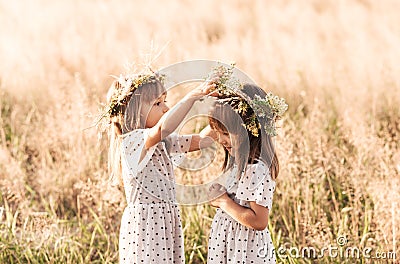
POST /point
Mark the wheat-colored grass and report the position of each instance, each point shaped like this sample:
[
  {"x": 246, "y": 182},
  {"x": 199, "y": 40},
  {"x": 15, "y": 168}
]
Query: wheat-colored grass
[{"x": 336, "y": 62}]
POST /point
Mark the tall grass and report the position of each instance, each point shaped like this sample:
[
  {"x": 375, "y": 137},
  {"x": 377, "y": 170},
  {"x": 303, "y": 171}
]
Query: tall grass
[{"x": 336, "y": 62}]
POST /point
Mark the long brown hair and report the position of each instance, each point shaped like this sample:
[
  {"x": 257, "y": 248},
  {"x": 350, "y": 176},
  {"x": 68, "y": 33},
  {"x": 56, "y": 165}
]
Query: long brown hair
[
  {"x": 249, "y": 147},
  {"x": 126, "y": 120}
]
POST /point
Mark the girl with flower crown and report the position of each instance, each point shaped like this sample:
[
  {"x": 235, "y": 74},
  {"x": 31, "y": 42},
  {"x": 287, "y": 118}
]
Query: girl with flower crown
[
  {"x": 244, "y": 122},
  {"x": 141, "y": 145}
]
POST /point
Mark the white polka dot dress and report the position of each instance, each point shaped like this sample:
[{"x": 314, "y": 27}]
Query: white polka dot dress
[
  {"x": 232, "y": 242},
  {"x": 151, "y": 230}
]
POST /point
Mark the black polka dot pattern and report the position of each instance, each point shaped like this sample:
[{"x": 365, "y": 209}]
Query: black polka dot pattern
[
  {"x": 151, "y": 230},
  {"x": 232, "y": 242},
  {"x": 256, "y": 185}
]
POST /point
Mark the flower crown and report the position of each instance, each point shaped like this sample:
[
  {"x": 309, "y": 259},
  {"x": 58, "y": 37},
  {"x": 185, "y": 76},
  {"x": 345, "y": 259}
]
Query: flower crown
[
  {"x": 124, "y": 87},
  {"x": 270, "y": 108}
]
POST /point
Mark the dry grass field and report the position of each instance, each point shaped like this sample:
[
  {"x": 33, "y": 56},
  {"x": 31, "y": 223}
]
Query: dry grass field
[{"x": 337, "y": 63}]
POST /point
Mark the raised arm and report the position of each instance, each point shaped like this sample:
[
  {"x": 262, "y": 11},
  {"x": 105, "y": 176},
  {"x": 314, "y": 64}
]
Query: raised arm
[{"x": 171, "y": 119}]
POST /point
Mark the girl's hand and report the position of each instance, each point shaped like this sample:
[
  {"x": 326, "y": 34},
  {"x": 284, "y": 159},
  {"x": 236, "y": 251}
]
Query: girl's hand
[
  {"x": 205, "y": 89},
  {"x": 217, "y": 195},
  {"x": 212, "y": 84}
]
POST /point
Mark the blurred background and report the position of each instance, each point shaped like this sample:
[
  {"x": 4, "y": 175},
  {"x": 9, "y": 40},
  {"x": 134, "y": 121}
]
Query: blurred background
[{"x": 337, "y": 63}]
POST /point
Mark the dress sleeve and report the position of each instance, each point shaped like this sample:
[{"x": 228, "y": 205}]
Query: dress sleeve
[
  {"x": 257, "y": 185},
  {"x": 177, "y": 146},
  {"x": 133, "y": 144}
]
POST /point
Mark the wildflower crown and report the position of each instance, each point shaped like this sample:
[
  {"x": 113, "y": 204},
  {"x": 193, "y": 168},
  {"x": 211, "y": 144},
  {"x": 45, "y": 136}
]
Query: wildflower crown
[
  {"x": 266, "y": 110},
  {"x": 124, "y": 88}
]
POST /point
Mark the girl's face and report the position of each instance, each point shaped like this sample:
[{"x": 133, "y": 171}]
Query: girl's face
[
  {"x": 154, "y": 110},
  {"x": 225, "y": 139}
]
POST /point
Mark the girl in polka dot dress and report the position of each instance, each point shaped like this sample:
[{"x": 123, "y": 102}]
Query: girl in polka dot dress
[
  {"x": 141, "y": 145},
  {"x": 239, "y": 231}
]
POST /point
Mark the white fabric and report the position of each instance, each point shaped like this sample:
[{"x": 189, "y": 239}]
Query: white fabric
[
  {"x": 132, "y": 146},
  {"x": 151, "y": 230},
  {"x": 256, "y": 185},
  {"x": 232, "y": 242}
]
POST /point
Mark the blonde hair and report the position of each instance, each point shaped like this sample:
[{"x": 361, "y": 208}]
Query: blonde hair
[
  {"x": 127, "y": 119},
  {"x": 251, "y": 148}
]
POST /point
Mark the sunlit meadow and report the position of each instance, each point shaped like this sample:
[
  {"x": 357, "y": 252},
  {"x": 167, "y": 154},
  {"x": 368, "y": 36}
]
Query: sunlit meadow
[{"x": 337, "y": 63}]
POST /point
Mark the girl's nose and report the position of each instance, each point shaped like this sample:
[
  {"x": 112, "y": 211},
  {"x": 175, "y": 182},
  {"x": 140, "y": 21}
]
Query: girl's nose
[{"x": 166, "y": 108}]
